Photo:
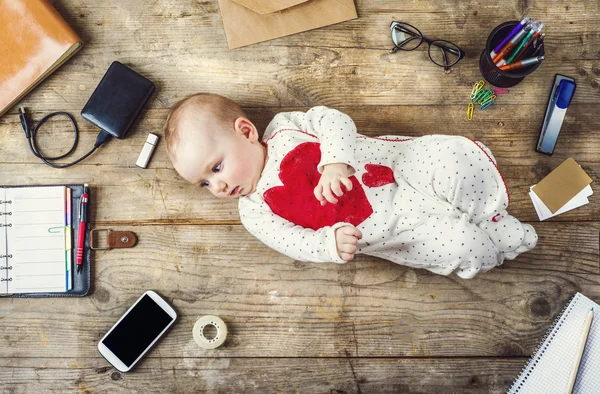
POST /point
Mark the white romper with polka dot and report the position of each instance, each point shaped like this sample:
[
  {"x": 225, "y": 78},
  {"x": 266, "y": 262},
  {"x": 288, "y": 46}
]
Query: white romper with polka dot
[{"x": 444, "y": 209}]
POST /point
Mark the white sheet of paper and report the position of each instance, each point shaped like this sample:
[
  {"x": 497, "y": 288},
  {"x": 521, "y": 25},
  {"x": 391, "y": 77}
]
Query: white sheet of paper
[
  {"x": 544, "y": 213},
  {"x": 36, "y": 239}
]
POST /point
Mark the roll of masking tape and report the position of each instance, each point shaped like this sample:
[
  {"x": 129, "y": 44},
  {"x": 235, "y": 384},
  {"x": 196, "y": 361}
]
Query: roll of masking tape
[{"x": 202, "y": 340}]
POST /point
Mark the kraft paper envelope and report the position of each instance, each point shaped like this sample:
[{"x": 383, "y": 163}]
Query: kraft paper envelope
[
  {"x": 562, "y": 184},
  {"x": 250, "y": 21}
]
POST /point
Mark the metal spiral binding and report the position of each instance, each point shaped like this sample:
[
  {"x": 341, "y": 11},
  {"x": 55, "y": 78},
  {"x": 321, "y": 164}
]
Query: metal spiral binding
[
  {"x": 6, "y": 213},
  {"x": 8, "y": 256},
  {"x": 562, "y": 316}
]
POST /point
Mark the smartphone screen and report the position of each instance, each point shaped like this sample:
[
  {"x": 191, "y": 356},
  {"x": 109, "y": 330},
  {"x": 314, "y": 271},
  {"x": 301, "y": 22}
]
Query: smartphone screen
[{"x": 137, "y": 330}]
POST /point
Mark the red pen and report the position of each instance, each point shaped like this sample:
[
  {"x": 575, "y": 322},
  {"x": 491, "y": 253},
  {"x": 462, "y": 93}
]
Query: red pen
[{"x": 82, "y": 224}]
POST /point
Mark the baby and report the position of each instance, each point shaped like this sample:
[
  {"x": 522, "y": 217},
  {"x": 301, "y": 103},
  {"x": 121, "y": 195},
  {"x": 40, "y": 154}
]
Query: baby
[{"x": 315, "y": 190}]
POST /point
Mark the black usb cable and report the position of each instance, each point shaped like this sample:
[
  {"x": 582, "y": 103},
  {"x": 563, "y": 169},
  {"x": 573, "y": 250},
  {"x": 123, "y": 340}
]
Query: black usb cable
[{"x": 31, "y": 134}]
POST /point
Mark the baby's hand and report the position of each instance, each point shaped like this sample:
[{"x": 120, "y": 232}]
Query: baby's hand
[
  {"x": 330, "y": 185},
  {"x": 346, "y": 239}
]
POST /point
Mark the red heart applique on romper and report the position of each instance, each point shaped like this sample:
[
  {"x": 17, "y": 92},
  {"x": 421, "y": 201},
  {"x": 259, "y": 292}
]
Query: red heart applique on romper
[
  {"x": 377, "y": 175},
  {"x": 296, "y": 202}
]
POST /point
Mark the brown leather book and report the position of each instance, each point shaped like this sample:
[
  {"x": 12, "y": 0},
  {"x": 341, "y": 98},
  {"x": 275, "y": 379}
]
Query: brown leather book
[{"x": 34, "y": 41}]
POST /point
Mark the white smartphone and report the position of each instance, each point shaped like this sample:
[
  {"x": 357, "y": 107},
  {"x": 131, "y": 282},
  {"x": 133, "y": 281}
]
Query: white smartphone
[{"x": 136, "y": 331}]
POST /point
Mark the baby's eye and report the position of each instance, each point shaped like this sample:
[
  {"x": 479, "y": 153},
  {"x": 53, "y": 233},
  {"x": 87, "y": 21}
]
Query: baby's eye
[
  {"x": 217, "y": 168},
  {"x": 204, "y": 184}
]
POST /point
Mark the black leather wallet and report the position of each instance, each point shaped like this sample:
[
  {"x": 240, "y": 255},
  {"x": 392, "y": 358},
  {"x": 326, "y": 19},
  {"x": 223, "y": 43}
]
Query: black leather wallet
[{"x": 117, "y": 100}]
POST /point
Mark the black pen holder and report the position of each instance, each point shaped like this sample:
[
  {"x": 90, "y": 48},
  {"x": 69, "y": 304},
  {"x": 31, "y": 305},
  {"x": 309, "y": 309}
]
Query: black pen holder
[{"x": 489, "y": 70}]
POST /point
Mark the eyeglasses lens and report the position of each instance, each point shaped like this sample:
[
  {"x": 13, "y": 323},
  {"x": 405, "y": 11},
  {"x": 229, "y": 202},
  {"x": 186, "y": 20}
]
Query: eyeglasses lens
[
  {"x": 444, "y": 53},
  {"x": 405, "y": 36}
]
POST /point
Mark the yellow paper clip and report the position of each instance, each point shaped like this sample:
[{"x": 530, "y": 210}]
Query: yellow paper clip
[
  {"x": 470, "y": 111},
  {"x": 476, "y": 88}
]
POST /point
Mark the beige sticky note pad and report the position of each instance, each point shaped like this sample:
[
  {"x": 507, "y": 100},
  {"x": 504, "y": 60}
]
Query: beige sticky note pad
[{"x": 562, "y": 184}]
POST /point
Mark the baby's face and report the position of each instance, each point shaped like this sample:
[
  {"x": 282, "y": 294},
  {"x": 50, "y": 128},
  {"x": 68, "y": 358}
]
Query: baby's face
[{"x": 226, "y": 162}]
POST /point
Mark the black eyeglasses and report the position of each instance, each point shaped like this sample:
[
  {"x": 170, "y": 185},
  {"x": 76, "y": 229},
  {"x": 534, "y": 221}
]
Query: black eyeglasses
[{"x": 408, "y": 38}]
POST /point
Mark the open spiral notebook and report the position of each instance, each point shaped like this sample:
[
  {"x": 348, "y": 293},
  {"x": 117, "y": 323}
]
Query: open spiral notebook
[
  {"x": 549, "y": 369},
  {"x": 36, "y": 242}
]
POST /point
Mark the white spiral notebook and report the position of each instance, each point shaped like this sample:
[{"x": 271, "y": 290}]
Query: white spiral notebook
[
  {"x": 548, "y": 371},
  {"x": 33, "y": 253}
]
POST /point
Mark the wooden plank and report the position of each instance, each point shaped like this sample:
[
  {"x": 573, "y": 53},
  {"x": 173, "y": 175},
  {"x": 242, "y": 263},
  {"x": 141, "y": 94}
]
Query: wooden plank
[
  {"x": 511, "y": 131},
  {"x": 262, "y": 375},
  {"x": 357, "y": 76},
  {"x": 277, "y": 307},
  {"x": 182, "y": 48},
  {"x": 159, "y": 194},
  {"x": 455, "y": 21}
]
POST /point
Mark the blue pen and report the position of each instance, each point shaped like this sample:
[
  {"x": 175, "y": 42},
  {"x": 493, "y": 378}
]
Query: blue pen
[{"x": 514, "y": 31}]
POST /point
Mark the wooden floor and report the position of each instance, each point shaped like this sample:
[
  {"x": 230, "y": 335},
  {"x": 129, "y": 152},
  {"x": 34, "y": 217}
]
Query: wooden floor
[{"x": 369, "y": 326}]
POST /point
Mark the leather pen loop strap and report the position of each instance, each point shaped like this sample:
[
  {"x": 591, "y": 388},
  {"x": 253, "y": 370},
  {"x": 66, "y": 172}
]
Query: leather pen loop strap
[{"x": 114, "y": 239}]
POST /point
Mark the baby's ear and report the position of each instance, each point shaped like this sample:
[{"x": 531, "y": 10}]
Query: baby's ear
[{"x": 246, "y": 128}]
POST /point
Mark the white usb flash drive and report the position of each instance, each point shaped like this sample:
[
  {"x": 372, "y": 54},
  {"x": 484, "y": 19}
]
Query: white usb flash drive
[{"x": 147, "y": 150}]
